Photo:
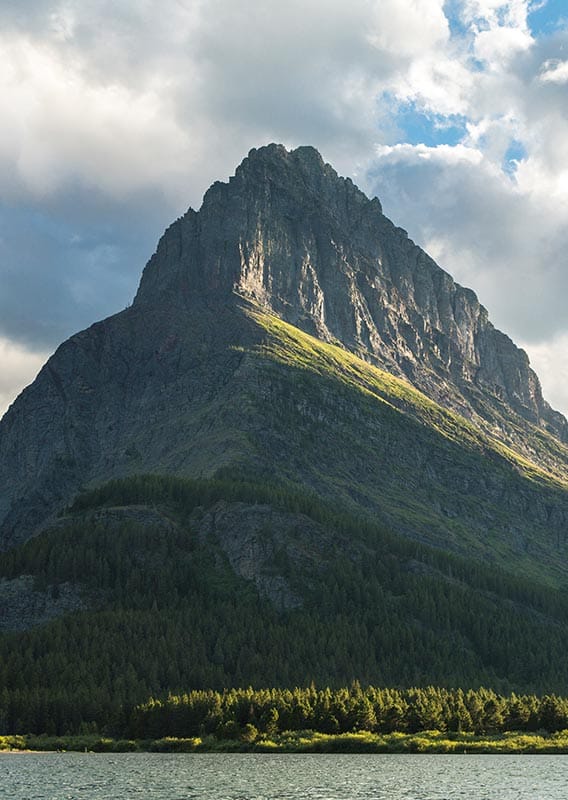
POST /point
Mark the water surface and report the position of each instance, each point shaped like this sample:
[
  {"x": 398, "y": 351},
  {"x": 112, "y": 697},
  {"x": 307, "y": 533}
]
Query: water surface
[{"x": 212, "y": 776}]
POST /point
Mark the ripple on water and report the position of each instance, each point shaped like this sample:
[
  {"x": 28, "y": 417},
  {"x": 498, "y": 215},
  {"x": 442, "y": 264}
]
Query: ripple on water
[{"x": 129, "y": 776}]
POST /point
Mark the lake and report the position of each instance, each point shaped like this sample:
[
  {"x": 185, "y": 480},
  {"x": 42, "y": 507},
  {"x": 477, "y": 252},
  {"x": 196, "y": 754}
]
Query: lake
[{"x": 150, "y": 776}]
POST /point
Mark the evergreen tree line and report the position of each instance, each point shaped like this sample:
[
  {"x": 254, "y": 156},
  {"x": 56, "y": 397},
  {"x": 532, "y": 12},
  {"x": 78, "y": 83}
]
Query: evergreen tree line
[{"x": 239, "y": 713}]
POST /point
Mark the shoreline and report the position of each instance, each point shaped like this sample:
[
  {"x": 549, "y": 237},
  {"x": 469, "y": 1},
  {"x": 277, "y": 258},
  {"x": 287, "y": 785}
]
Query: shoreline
[
  {"x": 27, "y": 752},
  {"x": 425, "y": 742}
]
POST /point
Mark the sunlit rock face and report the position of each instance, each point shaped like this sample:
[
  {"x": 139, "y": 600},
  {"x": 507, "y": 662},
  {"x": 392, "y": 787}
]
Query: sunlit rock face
[{"x": 166, "y": 385}]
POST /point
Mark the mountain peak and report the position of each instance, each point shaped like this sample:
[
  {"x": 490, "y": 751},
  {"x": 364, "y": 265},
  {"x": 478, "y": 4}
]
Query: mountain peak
[
  {"x": 287, "y": 232},
  {"x": 305, "y": 156},
  {"x": 300, "y": 173},
  {"x": 272, "y": 195}
]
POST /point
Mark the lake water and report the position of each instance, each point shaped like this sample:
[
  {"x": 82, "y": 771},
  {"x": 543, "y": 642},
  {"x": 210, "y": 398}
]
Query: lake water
[{"x": 148, "y": 776}]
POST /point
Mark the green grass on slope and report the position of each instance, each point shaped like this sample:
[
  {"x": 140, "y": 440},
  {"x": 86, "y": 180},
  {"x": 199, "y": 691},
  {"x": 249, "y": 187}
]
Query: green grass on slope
[{"x": 292, "y": 347}]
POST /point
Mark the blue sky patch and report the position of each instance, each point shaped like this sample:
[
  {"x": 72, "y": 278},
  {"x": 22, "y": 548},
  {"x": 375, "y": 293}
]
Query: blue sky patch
[
  {"x": 452, "y": 10},
  {"x": 417, "y": 127},
  {"x": 548, "y": 17},
  {"x": 515, "y": 152}
]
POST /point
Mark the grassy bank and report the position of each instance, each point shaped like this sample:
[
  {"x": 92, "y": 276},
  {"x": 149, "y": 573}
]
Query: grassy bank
[{"x": 303, "y": 742}]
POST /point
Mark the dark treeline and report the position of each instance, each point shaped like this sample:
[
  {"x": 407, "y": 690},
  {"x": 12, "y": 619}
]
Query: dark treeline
[
  {"x": 184, "y": 495},
  {"x": 240, "y": 713}
]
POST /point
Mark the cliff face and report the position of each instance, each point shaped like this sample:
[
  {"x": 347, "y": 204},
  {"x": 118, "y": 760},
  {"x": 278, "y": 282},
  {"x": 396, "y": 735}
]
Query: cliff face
[
  {"x": 178, "y": 382},
  {"x": 287, "y": 231}
]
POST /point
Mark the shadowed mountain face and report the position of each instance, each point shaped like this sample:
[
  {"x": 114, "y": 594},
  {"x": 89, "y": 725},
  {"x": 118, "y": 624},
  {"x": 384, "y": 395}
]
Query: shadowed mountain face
[{"x": 202, "y": 374}]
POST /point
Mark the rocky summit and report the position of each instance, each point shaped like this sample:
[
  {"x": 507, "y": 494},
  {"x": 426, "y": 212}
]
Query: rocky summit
[{"x": 303, "y": 453}]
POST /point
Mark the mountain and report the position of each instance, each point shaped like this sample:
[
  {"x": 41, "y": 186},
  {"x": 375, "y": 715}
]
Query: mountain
[
  {"x": 302, "y": 440},
  {"x": 154, "y": 387}
]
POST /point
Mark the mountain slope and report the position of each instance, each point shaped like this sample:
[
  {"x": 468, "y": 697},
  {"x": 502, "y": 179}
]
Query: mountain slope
[
  {"x": 287, "y": 231},
  {"x": 241, "y": 389}
]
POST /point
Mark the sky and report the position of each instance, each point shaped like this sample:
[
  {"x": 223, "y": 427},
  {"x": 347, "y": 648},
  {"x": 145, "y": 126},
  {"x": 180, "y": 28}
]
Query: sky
[{"x": 116, "y": 116}]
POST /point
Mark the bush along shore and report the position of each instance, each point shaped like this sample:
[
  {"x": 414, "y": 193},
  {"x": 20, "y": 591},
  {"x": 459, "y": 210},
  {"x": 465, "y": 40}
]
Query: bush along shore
[
  {"x": 302, "y": 742},
  {"x": 349, "y": 719}
]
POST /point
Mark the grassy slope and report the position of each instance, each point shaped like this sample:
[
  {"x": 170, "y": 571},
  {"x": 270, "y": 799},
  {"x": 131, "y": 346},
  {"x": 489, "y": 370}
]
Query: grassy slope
[
  {"x": 291, "y": 346},
  {"x": 369, "y": 440}
]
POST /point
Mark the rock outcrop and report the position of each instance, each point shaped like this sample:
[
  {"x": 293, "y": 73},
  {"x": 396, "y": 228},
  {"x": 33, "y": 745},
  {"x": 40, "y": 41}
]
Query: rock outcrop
[{"x": 24, "y": 606}]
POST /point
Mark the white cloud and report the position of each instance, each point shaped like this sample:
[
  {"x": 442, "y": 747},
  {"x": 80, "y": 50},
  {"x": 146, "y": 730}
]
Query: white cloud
[
  {"x": 554, "y": 71},
  {"x": 126, "y": 96},
  {"x": 498, "y": 45},
  {"x": 494, "y": 13},
  {"x": 550, "y": 362},
  {"x": 442, "y": 153},
  {"x": 58, "y": 127},
  {"x": 409, "y": 28},
  {"x": 498, "y": 29},
  {"x": 438, "y": 82},
  {"x": 19, "y": 368},
  {"x": 492, "y": 210},
  {"x": 482, "y": 228}
]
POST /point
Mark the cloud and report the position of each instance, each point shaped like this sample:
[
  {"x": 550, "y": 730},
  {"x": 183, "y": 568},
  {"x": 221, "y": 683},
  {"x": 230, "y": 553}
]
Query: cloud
[
  {"x": 550, "y": 361},
  {"x": 483, "y": 229},
  {"x": 411, "y": 29},
  {"x": 19, "y": 367},
  {"x": 554, "y": 71},
  {"x": 116, "y": 118},
  {"x": 499, "y": 45},
  {"x": 129, "y": 96},
  {"x": 58, "y": 128},
  {"x": 491, "y": 209},
  {"x": 441, "y": 154}
]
